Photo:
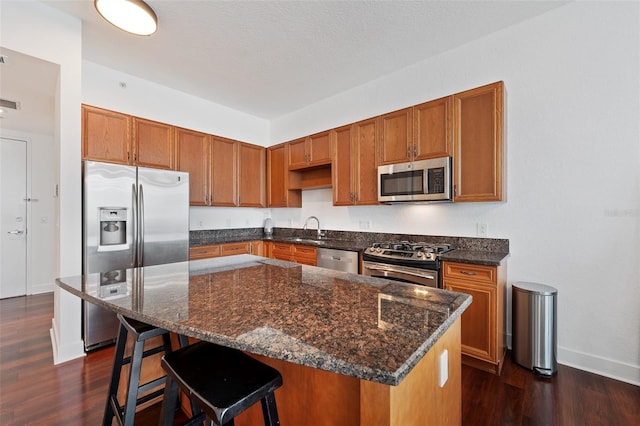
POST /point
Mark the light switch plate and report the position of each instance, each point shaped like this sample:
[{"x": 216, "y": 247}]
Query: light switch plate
[{"x": 444, "y": 367}]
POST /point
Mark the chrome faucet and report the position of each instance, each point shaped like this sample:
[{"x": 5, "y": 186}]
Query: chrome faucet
[{"x": 320, "y": 233}]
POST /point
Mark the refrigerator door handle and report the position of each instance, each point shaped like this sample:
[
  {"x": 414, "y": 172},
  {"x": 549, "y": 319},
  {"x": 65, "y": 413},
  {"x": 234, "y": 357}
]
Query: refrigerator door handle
[
  {"x": 141, "y": 228},
  {"x": 134, "y": 205}
]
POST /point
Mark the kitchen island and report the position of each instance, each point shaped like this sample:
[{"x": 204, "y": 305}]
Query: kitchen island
[{"x": 352, "y": 350}]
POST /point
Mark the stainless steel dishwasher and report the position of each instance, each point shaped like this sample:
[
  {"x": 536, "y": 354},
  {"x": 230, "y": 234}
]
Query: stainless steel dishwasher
[{"x": 338, "y": 260}]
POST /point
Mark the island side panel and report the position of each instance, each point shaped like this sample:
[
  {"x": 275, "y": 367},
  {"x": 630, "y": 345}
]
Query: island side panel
[
  {"x": 313, "y": 397},
  {"x": 309, "y": 397},
  {"x": 418, "y": 399}
]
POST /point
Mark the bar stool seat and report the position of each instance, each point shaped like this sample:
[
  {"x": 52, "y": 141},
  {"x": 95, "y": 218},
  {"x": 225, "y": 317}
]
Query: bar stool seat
[
  {"x": 221, "y": 381},
  {"x": 141, "y": 332}
]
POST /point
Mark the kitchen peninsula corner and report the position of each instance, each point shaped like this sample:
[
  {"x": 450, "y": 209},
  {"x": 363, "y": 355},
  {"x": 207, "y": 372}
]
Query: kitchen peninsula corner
[{"x": 352, "y": 350}]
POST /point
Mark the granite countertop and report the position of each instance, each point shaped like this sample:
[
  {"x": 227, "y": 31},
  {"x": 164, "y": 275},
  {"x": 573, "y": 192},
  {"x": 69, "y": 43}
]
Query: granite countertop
[
  {"x": 363, "y": 327},
  {"x": 480, "y": 251}
]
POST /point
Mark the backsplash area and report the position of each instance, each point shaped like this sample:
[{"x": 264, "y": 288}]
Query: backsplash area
[{"x": 360, "y": 239}]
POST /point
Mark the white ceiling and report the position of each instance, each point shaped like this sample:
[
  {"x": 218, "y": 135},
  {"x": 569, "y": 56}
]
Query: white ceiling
[{"x": 269, "y": 58}]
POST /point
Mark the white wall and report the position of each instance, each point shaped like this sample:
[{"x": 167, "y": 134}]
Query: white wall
[
  {"x": 573, "y": 157},
  {"x": 101, "y": 86},
  {"x": 38, "y": 30}
]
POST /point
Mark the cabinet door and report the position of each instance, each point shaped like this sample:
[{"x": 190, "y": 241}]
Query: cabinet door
[
  {"x": 252, "y": 170},
  {"x": 224, "y": 172},
  {"x": 479, "y": 325},
  {"x": 342, "y": 167},
  {"x": 193, "y": 157},
  {"x": 276, "y": 177},
  {"x": 297, "y": 154},
  {"x": 365, "y": 163},
  {"x": 319, "y": 149},
  {"x": 432, "y": 132},
  {"x": 478, "y": 149},
  {"x": 106, "y": 135},
  {"x": 257, "y": 248},
  {"x": 154, "y": 144},
  {"x": 396, "y": 137}
]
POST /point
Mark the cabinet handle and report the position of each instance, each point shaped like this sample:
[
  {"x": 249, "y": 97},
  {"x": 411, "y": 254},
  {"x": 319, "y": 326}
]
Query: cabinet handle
[
  {"x": 408, "y": 152},
  {"x": 415, "y": 150},
  {"x": 469, "y": 272}
]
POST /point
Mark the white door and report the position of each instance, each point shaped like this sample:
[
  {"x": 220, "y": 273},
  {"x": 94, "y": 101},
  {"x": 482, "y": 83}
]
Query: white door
[{"x": 13, "y": 218}]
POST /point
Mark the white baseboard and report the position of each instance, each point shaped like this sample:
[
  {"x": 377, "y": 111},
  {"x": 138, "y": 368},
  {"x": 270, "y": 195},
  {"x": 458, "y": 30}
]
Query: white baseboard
[
  {"x": 594, "y": 364},
  {"x": 64, "y": 353},
  {"x": 603, "y": 366},
  {"x": 42, "y": 288}
]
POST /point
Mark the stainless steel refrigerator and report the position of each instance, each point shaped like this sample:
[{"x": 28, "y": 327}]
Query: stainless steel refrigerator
[{"x": 132, "y": 216}]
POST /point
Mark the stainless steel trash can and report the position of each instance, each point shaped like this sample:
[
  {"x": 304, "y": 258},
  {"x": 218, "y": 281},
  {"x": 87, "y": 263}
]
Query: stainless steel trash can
[{"x": 534, "y": 309}]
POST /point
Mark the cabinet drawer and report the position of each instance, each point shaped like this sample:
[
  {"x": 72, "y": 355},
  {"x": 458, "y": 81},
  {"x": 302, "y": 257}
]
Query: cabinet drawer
[
  {"x": 230, "y": 249},
  {"x": 204, "y": 252},
  {"x": 467, "y": 272},
  {"x": 281, "y": 249},
  {"x": 305, "y": 252}
]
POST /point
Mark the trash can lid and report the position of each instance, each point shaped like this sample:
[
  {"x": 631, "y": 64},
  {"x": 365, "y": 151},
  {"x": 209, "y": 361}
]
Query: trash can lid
[{"x": 535, "y": 288}]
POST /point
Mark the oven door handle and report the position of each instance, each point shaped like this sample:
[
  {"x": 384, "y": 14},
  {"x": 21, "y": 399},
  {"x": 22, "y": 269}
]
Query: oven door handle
[{"x": 393, "y": 270}]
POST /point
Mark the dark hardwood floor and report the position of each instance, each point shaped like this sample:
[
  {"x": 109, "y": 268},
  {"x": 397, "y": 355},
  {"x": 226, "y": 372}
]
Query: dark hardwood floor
[{"x": 33, "y": 391}]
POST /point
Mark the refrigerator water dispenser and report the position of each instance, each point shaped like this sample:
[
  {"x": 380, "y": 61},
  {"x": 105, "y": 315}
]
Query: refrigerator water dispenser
[{"x": 113, "y": 226}]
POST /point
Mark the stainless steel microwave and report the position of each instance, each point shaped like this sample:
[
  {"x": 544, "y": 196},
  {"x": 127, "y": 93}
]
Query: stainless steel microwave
[{"x": 424, "y": 180}]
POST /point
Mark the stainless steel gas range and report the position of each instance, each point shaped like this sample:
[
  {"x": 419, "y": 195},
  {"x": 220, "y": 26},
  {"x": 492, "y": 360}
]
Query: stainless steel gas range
[{"x": 411, "y": 262}]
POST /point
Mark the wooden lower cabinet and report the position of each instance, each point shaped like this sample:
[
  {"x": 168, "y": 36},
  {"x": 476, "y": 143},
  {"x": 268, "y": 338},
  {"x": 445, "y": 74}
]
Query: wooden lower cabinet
[
  {"x": 483, "y": 325},
  {"x": 226, "y": 249},
  {"x": 306, "y": 255}
]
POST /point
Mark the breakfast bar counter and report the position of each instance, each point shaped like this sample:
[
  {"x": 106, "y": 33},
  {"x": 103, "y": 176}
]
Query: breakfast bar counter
[{"x": 351, "y": 349}]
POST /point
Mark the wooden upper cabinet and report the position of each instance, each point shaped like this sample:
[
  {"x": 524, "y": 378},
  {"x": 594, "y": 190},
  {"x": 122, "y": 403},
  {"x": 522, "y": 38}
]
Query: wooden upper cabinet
[
  {"x": 224, "y": 172},
  {"x": 432, "y": 129},
  {"x": 354, "y": 170},
  {"x": 297, "y": 153},
  {"x": 278, "y": 192},
  {"x": 120, "y": 138},
  {"x": 106, "y": 135},
  {"x": 312, "y": 151},
  {"x": 193, "y": 157},
  {"x": 276, "y": 176},
  {"x": 342, "y": 173},
  {"x": 365, "y": 164},
  {"x": 154, "y": 144},
  {"x": 252, "y": 171},
  {"x": 478, "y": 144},
  {"x": 396, "y": 137}
]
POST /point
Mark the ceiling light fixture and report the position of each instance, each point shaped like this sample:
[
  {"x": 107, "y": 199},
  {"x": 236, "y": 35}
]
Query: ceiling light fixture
[{"x": 132, "y": 16}]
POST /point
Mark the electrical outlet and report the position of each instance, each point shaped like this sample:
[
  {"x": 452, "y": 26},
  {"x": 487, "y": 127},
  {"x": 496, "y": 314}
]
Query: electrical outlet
[
  {"x": 444, "y": 368},
  {"x": 481, "y": 229},
  {"x": 365, "y": 224}
]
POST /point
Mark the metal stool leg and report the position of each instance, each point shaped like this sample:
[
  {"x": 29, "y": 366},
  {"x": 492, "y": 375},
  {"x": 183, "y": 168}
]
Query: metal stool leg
[
  {"x": 121, "y": 343},
  {"x": 270, "y": 410},
  {"x": 134, "y": 381}
]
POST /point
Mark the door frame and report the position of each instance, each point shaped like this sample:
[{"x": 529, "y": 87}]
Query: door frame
[{"x": 28, "y": 221}]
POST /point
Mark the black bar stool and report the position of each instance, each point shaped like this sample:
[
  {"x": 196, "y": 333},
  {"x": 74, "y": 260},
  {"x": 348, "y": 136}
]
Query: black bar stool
[
  {"x": 140, "y": 331},
  {"x": 221, "y": 381}
]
